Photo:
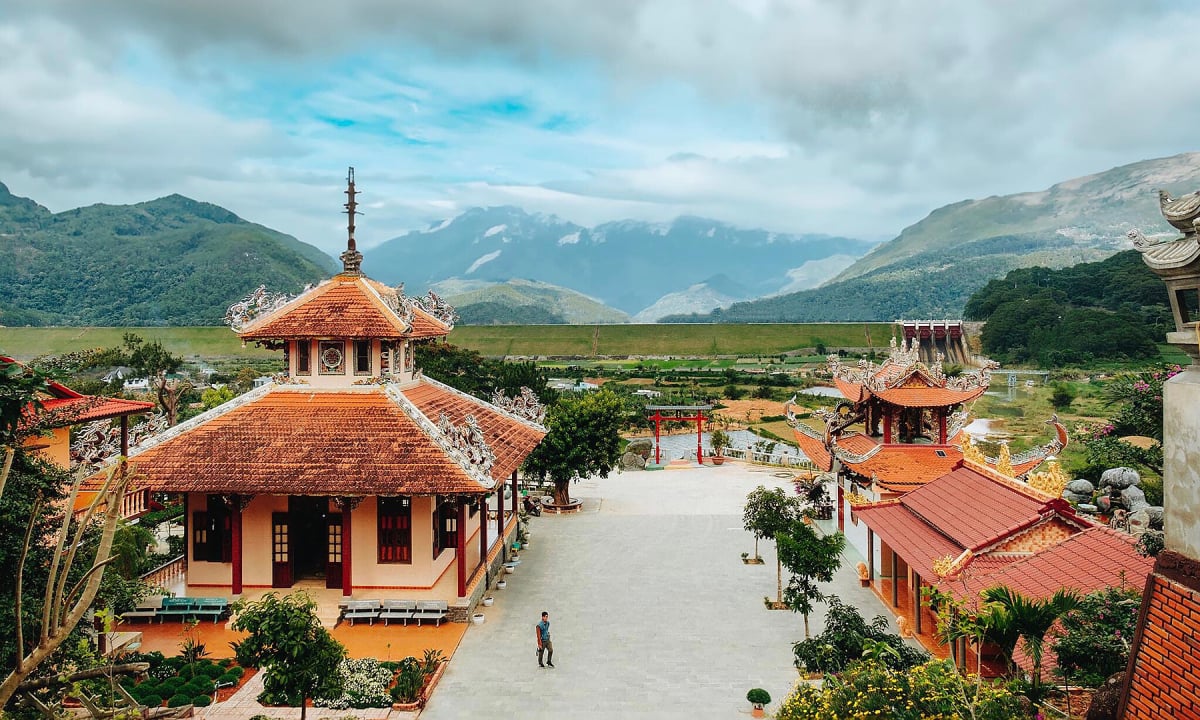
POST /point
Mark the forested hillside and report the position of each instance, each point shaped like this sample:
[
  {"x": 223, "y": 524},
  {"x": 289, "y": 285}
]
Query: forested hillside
[
  {"x": 1113, "y": 309},
  {"x": 171, "y": 261}
]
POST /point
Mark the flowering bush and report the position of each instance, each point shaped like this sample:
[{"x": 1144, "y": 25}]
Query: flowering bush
[
  {"x": 931, "y": 691},
  {"x": 1095, "y": 637},
  {"x": 365, "y": 685}
]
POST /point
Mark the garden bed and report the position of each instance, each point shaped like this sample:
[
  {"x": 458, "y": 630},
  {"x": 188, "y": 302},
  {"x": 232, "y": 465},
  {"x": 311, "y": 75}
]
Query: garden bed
[{"x": 176, "y": 682}]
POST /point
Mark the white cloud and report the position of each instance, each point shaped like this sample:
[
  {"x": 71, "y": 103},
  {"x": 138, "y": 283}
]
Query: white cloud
[{"x": 482, "y": 261}]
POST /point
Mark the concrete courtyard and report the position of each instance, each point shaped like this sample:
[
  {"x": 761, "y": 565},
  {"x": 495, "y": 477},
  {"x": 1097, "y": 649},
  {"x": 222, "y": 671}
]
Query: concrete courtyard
[{"x": 653, "y": 613}]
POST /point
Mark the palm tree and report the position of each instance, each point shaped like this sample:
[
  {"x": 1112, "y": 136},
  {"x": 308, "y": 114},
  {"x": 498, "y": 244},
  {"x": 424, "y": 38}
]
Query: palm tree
[{"x": 1022, "y": 617}]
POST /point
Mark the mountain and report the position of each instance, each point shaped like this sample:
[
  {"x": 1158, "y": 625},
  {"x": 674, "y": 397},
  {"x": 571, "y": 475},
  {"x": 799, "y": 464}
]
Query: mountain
[
  {"x": 709, "y": 295},
  {"x": 628, "y": 265},
  {"x": 933, "y": 266},
  {"x": 171, "y": 261},
  {"x": 524, "y": 302}
]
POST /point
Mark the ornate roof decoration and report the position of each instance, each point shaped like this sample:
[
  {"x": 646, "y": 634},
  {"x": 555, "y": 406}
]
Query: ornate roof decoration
[
  {"x": 258, "y": 303},
  {"x": 467, "y": 443},
  {"x": 1183, "y": 213},
  {"x": 433, "y": 304},
  {"x": 903, "y": 367},
  {"x": 98, "y": 441},
  {"x": 525, "y": 404}
]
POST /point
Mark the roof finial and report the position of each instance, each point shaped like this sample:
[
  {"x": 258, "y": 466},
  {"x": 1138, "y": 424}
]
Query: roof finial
[{"x": 352, "y": 258}]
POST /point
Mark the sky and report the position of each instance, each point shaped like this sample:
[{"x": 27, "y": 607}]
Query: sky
[{"x": 846, "y": 117}]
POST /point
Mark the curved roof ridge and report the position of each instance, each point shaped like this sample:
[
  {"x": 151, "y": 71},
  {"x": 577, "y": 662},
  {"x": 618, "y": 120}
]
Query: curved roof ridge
[
  {"x": 308, "y": 294},
  {"x": 490, "y": 406},
  {"x": 431, "y": 429}
]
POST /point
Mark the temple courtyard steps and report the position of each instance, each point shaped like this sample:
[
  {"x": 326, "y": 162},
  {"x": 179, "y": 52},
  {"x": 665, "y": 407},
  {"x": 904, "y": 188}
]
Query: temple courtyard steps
[{"x": 653, "y": 613}]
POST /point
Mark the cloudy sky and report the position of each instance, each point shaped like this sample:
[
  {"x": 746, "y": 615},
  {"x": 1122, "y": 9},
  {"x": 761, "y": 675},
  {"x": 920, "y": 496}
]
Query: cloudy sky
[{"x": 852, "y": 117}]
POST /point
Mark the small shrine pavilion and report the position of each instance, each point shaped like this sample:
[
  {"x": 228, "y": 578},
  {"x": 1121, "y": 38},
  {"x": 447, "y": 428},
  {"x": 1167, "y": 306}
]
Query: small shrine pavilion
[
  {"x": 350, "y": 470},
  {"x": 900, "y": 426}
]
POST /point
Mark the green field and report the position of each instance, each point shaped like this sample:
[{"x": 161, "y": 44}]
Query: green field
[{"x": 493, "y": 340}]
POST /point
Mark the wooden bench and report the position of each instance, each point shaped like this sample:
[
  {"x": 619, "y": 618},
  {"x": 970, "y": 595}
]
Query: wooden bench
[
  {"x": 147, "y": 608},
  {"x": 362, "y": 609},
  {"x": 397, "y": 610},
  {"x": 431, "y": 610}
]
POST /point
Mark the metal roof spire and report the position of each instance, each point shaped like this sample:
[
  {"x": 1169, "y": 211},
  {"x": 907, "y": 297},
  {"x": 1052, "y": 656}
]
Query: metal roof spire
[{"x": 352, "y": 258}]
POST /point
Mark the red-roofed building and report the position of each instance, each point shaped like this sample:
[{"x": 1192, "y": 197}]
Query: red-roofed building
[
  {"x": 899, "y": 427},
  {"x": 972, "y": 529},
  {"x": 351, "y": 469},
  {"x": 59, "y": 410}
]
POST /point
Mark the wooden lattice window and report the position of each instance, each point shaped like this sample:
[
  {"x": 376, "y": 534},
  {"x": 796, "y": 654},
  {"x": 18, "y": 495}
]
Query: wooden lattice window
[
  {"x": 200, "y": 535},
  {"x": 395, "y": 530},
  {"x": 362, "y": 357},
  {"x": 445, "y": 527},
  {"x": 331, "y": 357},
  {"x": 304, "y": 357},
  {"x": 334, "y": 542},
  {"x": 279, "y": 538}
]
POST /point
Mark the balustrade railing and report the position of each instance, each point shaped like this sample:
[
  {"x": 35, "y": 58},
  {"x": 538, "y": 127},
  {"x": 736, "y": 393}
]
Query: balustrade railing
[
  {"x": 761, "y": 458},
  {"x": 167, "y": 573}
]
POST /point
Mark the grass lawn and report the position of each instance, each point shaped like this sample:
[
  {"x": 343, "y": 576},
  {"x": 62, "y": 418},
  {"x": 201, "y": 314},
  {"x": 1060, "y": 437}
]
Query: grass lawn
[{"x": 210, "y": 343}]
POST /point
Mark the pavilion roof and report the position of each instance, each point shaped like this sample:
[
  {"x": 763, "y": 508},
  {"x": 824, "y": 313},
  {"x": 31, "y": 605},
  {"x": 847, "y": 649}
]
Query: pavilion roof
[
  {"x": 366, "y": 440},
  {"x": 346, "y": 306},
  {"x": 62, "y": 406}
]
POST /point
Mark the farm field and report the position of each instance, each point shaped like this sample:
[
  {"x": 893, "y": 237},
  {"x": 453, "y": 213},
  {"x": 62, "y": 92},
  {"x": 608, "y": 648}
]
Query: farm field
[{"x": 217, "y": 342}]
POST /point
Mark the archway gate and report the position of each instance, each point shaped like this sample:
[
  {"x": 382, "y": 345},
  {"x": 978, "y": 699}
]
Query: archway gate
[{"x": 678, "y": 413}]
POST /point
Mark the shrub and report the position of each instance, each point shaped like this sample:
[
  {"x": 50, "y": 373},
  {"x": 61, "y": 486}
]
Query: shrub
[
  {"x": 202, "y": 701},
  {"x": 199, "y": 686},
  {"x": 225, "y": 663},
  {"x": 758, "y": 696},
  {"x": 150, "y": 700},
  {"x": 171, "y": 684},
  {"x": 430, "y": 661},
  {"x": 845, "y": 635},
  {"x": 179, "y": 700},
  {"x": 228, "y": 679},
  {"x": 1095, "y": 636},
  {"x": 210, "y": 671},
  {"x": 364, "y": 685},
  {"x": 409, "y": 681}
]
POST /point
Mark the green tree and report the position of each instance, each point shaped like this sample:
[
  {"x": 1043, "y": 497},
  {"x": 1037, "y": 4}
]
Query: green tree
[
  {"x": 130, "y": 549},
  {"x": 155, "y": 362},
  {"x": 768, "y": 513},
  {"x": 1030, "y": 620},
  {"x": 811, "y": 559},
  {"x": 1095, "y": 638},
  {"x": 583, "y": 439},
  {"x": 298, "y": 657},
  {"x": 845, "y": 637},
  {"x": 215, "y": 396},
  {"x": 1061, "y": 396}
]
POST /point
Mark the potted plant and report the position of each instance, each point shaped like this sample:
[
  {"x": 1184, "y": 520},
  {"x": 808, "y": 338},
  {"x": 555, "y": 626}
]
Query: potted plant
[
  {"x": 719, "y": 441},
  {"x": 758, "y": 697}
]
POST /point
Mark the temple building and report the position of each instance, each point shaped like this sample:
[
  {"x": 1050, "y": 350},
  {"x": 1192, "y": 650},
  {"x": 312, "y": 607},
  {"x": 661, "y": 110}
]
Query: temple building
[
  {"x": 60, "y": 410},
  {"x": 350, "y": 470},
  {"x": 900, "y": 426}
]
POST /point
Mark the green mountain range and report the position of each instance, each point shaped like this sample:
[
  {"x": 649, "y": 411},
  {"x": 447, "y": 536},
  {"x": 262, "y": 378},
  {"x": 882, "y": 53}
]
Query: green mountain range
[
  {"x": 933, "y": 266},
  {"x": 524, "y": 302},
  {"x": 171, "y": 261}
]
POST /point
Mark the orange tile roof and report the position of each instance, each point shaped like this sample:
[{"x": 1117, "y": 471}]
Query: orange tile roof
[
  {"x": 1086, "y": 562},
  {"x": 918, "y": 543},
  {"x": 853, "y": 391},
  {"x": 814, "y": 449},
  {"x": 346, "y": 306},
  {"x": 64, "y": 406},
  {"x": 510, "y": 439},
  {"x": 1162, "y": 681},
  {"x": 321, "y": 442},
  {"x": 857, "y": 443},
  {"x": 902, "y": 467},
  {"x": 927, "y": 397}
]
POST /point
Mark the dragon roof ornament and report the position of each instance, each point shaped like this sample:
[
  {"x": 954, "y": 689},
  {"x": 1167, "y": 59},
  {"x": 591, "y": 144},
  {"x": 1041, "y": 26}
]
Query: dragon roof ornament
[
  {"x": 524, "y": 404},
  {"x": 255, "y": 305},
  {"x": 431, "y": 304},
  {"x": 467, "y": 443},
  {"x": 99, "y": 441},
  {"x": 904, "y": 362}
]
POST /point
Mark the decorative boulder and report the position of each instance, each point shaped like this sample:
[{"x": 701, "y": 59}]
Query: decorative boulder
[
  {"x": 1155, "y": 513},
  {"x": 1104, "y": 503},
  {"x": 1087, "y": 508},
  {"x": 1134, "y": 498},
  {"x": 1119, "y": 478},
  {"x": 640, "y": 446},
  {"x": 1081, "y": 487},
  {"x": 632, "y": 461}
]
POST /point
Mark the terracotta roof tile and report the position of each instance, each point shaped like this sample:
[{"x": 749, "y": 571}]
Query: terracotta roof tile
[
  {"x": 311, "y": 442},
  {"x": 914, "y": 540},
  {"x": 857, "y": 443},
  {"x": 1085, "y": 562},
  {"x": 927, "y": 397},
  {"x": 998, "y": 506},
  {"x": 347, "y": 306},
  {"x": 68, "y": 407},
  {"x": 814, "y": 449},
  {"x": 852, "y": 391},
  {"x": 903, "y": 467},
  {"x": 511, "y": 440}
]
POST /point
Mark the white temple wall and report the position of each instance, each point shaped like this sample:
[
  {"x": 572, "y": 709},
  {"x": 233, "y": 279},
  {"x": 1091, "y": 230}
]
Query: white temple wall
[{"x": 1181, "y": 462}]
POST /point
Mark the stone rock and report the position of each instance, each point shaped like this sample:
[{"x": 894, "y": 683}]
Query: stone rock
[
  {"x": 1139, "y": 522},
  {"x": 1081, "y": 487},
  {"x": 641, "y": 446},
  {"x": 1107, "y": 699},
  {"x": 1119, "y": 478},
  {"x": 1104, "y": 503},
  {"x": 1076, "y": 498},
  {"x": 1133, "y": 495},
  {"x": 632, "y": 461},
  {"x": 1155, "y": 513},
  {"x": 1087, "y": 508}
]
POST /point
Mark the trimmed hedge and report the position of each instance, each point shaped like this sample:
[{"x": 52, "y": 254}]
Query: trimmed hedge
[
  {"x": 202, "y": 701},
  {"x": 179, "y": 700},
  {"x": 150, "y": 700}
]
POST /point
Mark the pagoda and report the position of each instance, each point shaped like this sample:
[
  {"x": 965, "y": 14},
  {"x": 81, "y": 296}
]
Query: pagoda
[
  {"x": 351, "y": 469},
  {"x": 900, "y": 426}
]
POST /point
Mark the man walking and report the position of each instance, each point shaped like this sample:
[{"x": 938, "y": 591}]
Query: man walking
[{"x": 543, "y": 641}]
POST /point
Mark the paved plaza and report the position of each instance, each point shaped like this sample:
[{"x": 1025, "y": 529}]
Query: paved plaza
[{"x": 653, "y": 613}]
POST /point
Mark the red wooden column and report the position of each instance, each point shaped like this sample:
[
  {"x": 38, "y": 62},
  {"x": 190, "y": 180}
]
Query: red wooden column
[
  {"x": 942, "y": 426},
  {"x": 699, "y": 434},
  {"x": 500, "y": 511},
  {"x": 515, "y": 500},
  {"x": 887, "y": 426},
  {"x": 895, "y": 580},
  {"x": 460, "y": 543},
  {"x": 917, "y": 602},
  {"x": 235, "y": 510},
  {"x": 483, "y": 531},
  {"x": 347, "y": 507},
  {"x": 657, "y": 418},
  {"x": 841, "y": 501}
]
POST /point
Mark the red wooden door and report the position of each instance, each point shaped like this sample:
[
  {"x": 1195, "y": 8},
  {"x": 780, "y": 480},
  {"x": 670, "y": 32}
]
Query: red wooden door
[{"x": 281, "y": 551}]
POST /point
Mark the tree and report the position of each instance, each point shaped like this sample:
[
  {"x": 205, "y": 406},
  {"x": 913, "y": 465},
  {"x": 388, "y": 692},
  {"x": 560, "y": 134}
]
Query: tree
[
  {"x": 298, "y": 656},
  {"x": 811, "y": 559},
  {"x": 214, "y": 396},
  {"x": 766, "y": 514},
  {"x": 583, "y": 439},
  {"x": 20, "y": 388},
  {"x": 156, "y": 363},
  {"x": 845, "y": 638},
  {"x": 1031, "y": 620}
]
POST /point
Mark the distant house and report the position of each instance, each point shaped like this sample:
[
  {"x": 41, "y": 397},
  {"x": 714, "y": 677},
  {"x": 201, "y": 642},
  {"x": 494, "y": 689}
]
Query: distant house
[
  {"x": 647, "y": 393},
  {"x": 568, "y": 385},
  {"x": 262, "y": 380},
  {"x": 118, "y": 373},
  {"x": 137, "y": 385}
]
